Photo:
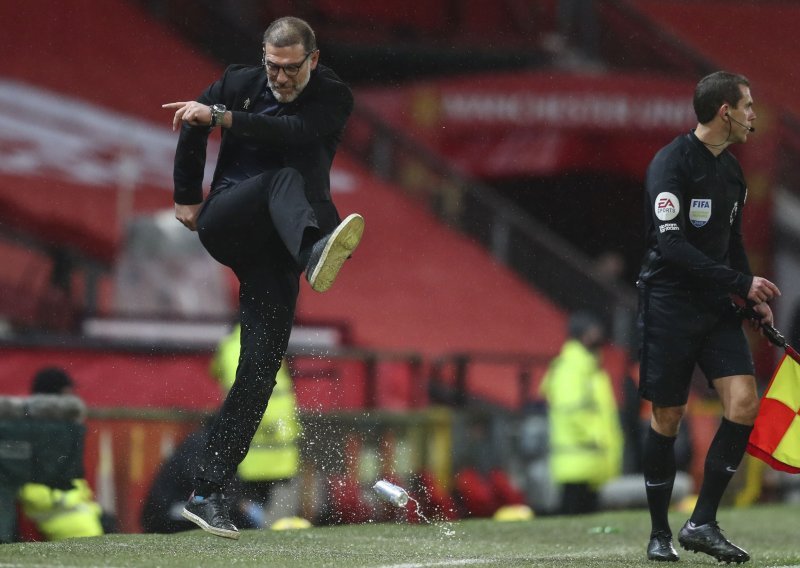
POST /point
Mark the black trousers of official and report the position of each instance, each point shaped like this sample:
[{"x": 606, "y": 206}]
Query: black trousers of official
[{"x": 256, "y": 227}]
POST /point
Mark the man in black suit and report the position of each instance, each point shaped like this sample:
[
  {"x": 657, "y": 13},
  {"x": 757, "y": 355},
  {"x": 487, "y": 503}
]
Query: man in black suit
[{"x": 269, "y": 217}]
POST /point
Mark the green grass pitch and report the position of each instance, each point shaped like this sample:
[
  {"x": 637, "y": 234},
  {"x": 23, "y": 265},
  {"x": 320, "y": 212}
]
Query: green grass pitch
[{"x": 769, "y": 533}]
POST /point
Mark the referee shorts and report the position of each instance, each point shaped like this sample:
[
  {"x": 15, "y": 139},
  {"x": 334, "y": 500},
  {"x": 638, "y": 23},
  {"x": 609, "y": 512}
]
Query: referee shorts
[{"x": 680, "y": 329}]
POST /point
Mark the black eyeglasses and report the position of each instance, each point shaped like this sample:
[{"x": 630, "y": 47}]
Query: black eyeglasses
[{"x": 291, "y": 70}]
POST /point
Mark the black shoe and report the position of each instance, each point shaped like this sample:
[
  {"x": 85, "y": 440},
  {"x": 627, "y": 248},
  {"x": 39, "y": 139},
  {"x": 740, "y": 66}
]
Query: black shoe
[
  {"x": 329, "y": 253},
  {"x": 660, "y": 548},
  {"x": 211, "y": 515},
  {"x": 708, "y": 538}
]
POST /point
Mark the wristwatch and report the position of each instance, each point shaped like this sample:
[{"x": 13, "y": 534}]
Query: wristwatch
[{"x": 217, "y": 114}]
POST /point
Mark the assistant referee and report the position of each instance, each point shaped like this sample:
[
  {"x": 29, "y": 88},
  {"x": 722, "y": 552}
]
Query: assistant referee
[{"x": 695, "y": 261}]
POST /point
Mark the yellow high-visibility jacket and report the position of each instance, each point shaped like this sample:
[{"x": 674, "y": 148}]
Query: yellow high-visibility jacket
[
  {"x": 61, "y": 514},
  {"x": 273, "y": 453},
  {"x": 585, "y": 434}
]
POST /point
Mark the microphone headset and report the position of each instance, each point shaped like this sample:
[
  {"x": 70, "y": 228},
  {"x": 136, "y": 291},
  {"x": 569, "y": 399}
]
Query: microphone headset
[{"x": 748, "y": 128}]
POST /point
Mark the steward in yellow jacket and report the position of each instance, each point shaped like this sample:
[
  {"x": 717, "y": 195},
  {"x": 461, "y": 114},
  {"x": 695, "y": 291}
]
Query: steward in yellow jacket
[
  {"x": 585, "y": 434},
  {"x": 61, "y": 514},
  {"x": 273, "y": 453}
]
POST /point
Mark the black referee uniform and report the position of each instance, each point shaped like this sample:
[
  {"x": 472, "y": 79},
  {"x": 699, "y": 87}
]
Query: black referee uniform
[
  {"x": 695, "y": 262},
  {"x": 695, "y": 259}
]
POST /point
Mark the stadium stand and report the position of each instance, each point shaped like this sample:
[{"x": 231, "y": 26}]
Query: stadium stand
[
  {"x": 86, "y": 145},
  {"x": 74, "y": 107},
  {"x": 75, "y": 65},
  {"x": 442, "y": 271},
  {"x": 385, "y": 42},
  {"x": 774, "y": 78}
]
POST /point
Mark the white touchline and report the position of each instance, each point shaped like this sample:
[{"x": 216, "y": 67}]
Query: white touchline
[
  {"x": 462, "y": 562},
  {"x": 5, "y": 565}
]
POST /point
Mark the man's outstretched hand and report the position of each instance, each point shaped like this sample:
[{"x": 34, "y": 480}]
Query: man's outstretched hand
[{"x": 190, "y": 112}]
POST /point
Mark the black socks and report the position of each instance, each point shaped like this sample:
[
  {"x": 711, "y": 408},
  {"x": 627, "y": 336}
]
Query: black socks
[
  {"x": 724, "y": 456},
  {"x": 659, "y": 476}
]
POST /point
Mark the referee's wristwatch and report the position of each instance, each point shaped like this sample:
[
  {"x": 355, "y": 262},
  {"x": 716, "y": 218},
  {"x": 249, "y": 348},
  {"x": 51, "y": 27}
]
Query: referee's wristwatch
[{"x": 217, "y": 114}]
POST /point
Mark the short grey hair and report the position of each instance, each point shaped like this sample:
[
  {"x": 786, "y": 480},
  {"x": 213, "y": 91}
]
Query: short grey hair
[{"x": 288, "y": 31}]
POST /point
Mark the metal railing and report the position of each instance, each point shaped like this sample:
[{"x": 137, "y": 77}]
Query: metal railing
[{"x": 461, "y": 379}]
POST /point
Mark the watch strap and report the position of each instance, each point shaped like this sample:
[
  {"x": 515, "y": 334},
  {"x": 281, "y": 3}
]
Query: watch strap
[{"x": 217, "y": 114}]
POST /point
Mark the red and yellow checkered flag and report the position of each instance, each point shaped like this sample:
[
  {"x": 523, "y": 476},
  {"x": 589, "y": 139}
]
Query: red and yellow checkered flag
[{"x": 776, "y": 434}]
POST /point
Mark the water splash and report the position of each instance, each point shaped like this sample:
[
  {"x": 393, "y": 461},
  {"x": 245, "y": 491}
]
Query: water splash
[
  {"x": 418, "y": 512},
  {"x": 444, "y": 528}
]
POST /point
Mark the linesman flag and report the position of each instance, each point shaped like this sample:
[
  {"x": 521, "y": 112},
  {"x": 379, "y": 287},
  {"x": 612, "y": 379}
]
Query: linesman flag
[
  {"x": 775, "y": 438},
  {"x": 776, "y": 434}
]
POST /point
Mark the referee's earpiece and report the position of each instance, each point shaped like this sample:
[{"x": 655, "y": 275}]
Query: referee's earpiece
[{"x": 743, "y": 125}]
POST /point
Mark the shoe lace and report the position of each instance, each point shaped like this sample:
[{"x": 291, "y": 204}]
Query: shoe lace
[
  {"x": 219, "y": 508},
  {"x": 715, "y": 525},
  {"x": 662, "y": 536}
]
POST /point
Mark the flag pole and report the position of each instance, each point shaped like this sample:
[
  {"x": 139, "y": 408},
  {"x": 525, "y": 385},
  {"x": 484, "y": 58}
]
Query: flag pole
[
  {"x": 773, "y": 335},
  {"x": 773, "y": 440}
]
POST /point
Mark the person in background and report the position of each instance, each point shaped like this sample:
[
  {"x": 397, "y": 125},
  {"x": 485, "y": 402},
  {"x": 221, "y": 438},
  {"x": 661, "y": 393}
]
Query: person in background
[
  {"x": 585, "y": 434},
  {"x": 273, "y": 457},
  {"x": 60, "y": 513}
]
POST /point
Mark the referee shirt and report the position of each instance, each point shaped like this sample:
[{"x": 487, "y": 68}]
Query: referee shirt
[{"x": 693, "y": 220}]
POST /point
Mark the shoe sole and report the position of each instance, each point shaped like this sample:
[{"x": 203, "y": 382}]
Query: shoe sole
[
  {"x": 341, "y": 244},
  {"x": 718, "y": 557},
  {"x": 189, "y": 516},
  {"x": 655, "y": 558}
]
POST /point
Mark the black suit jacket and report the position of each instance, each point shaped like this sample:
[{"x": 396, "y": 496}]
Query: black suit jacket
[{"x": 304, "y": 133}]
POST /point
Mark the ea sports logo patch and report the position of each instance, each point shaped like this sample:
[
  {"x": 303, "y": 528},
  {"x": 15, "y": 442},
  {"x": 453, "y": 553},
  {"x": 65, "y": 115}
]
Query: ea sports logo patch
[
  {"x": 700, "y": 212},
  {"x": 667, "y": 206}
]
